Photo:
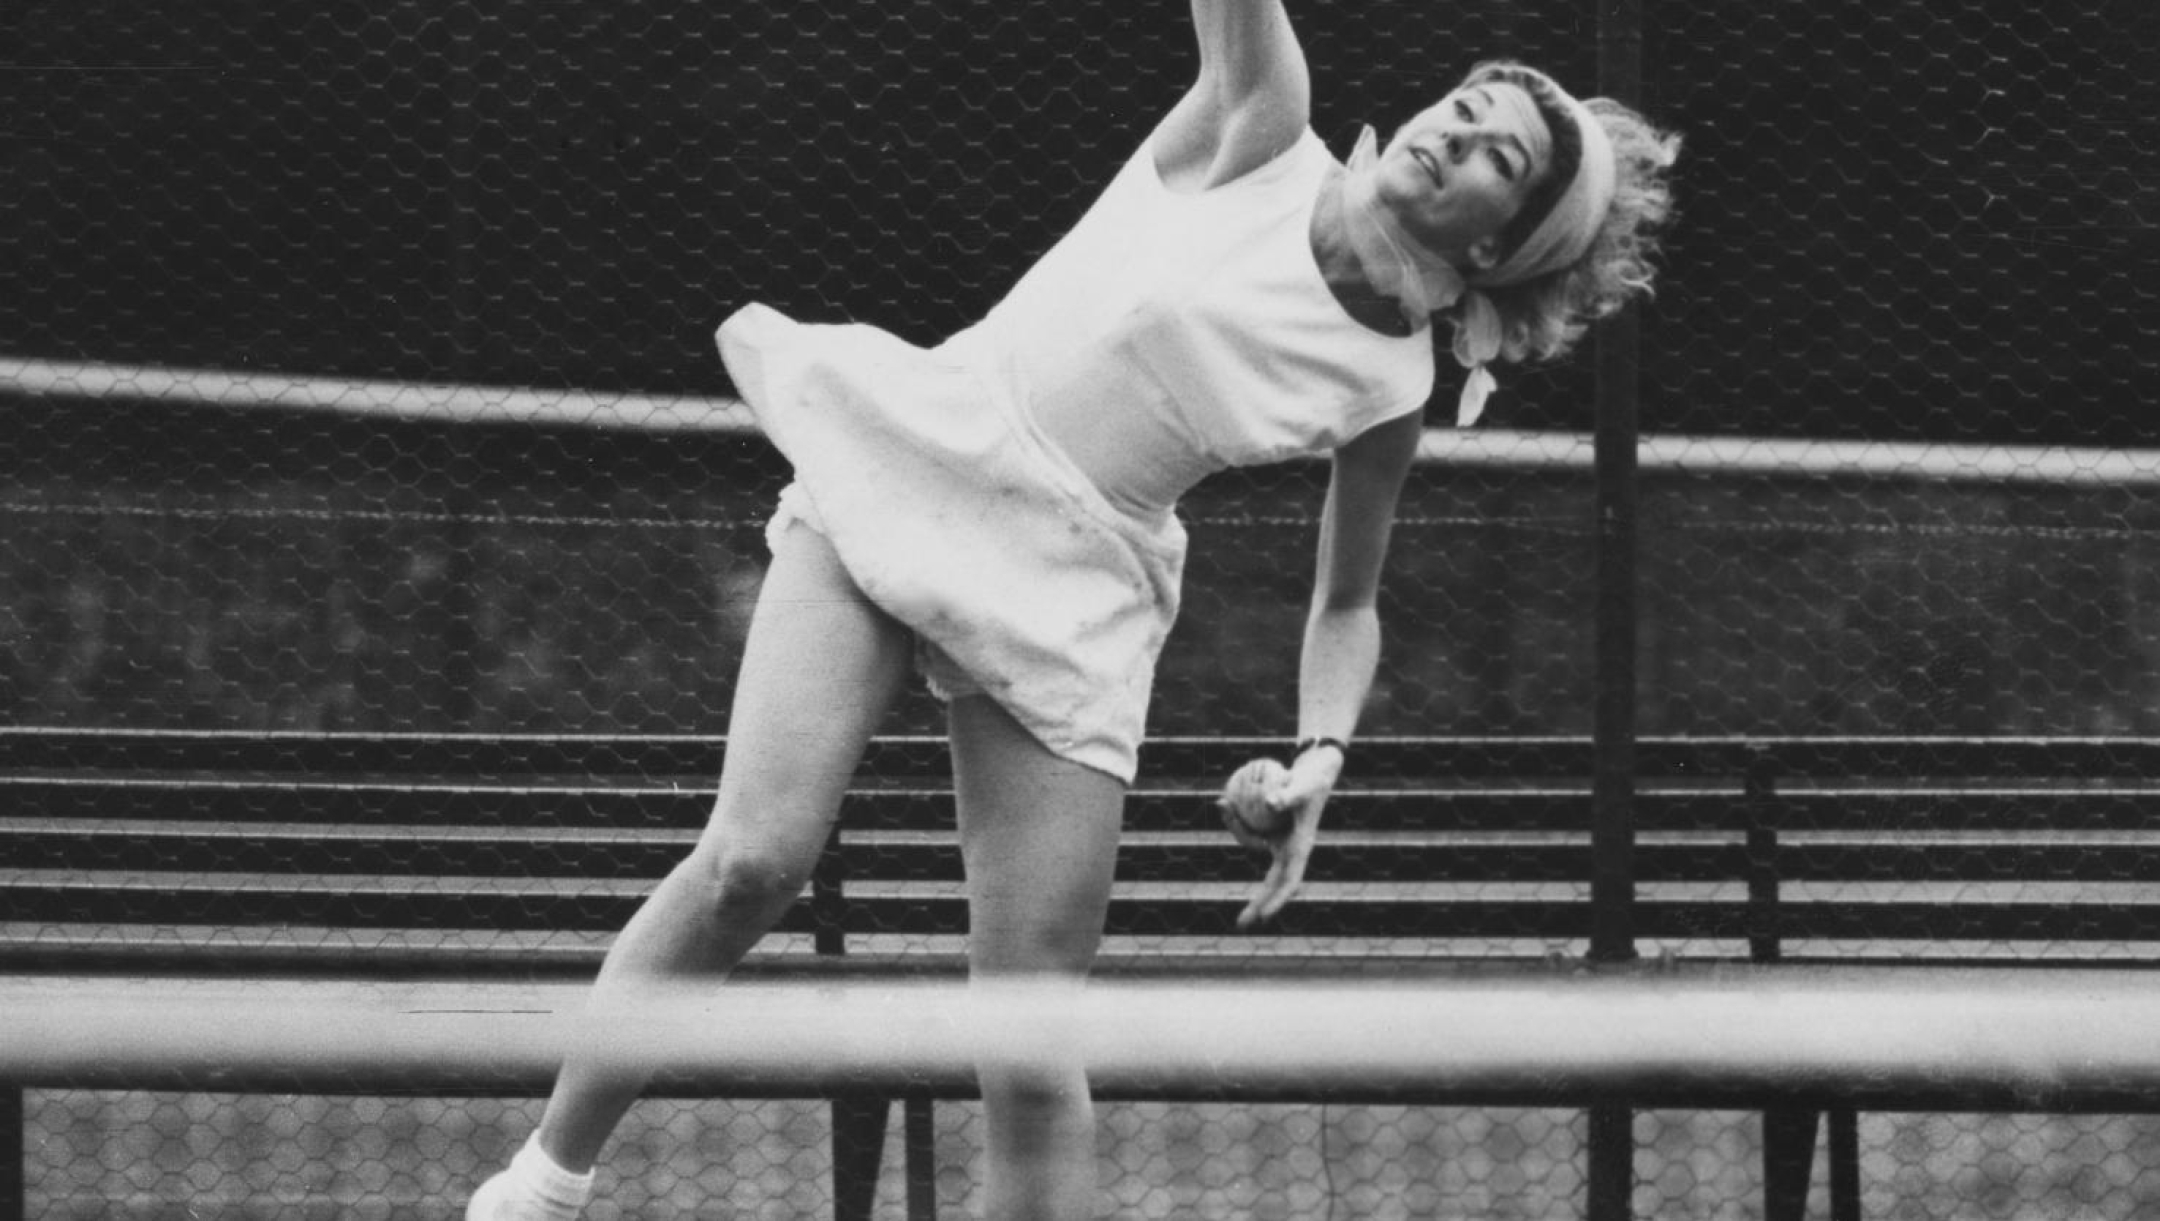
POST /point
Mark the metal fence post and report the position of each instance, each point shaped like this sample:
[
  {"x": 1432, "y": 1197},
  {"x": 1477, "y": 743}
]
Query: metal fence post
[
  {"x": 1612, "y": 872},
  {"x": 1611, "y": 1177},
  {"x": 1612, "y": 875}
]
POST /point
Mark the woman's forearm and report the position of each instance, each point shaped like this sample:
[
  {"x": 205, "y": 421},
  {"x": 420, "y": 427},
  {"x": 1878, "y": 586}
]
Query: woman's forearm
[{"x": 1335, "y": 671}]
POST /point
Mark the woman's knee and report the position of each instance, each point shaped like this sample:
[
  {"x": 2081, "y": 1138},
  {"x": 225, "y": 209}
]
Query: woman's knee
[{"x": 733, "y": 880}]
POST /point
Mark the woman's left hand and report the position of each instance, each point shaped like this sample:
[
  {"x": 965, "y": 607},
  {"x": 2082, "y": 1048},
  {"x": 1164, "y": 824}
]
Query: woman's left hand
[{"x": 1302, "y": 792}]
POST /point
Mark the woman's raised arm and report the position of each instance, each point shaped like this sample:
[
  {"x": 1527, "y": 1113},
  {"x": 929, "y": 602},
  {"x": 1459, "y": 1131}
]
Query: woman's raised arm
[{"x": 1251, "y": 101}]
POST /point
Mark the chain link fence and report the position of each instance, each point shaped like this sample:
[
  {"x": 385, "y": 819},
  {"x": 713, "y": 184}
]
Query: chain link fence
[
  {"x": 165, "y": 1155},
  {"x": 1923, "y": 230}
]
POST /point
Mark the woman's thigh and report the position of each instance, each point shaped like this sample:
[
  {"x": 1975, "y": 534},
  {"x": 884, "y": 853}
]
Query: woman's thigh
[
  {"x": 820, "y": 667},
  {"x": 1039, "y": 836}
]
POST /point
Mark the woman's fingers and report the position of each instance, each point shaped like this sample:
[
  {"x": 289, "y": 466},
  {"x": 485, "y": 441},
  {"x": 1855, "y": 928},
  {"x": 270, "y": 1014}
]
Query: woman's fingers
[{"x": 1287, "y": 872}]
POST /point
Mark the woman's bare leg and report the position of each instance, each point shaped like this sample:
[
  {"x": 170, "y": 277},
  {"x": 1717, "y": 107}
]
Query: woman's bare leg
[
  {"x": 819, "y": 670},
  {"x": 1039, "y": 836}
]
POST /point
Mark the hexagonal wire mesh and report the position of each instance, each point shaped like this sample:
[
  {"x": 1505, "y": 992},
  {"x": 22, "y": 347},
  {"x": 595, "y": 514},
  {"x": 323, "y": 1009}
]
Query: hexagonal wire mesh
[{"x": 1900, "y": 224}]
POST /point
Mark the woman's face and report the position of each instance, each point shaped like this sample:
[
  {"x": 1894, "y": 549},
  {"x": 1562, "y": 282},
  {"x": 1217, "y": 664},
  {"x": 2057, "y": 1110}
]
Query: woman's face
[{"x": 1457, "y": 173}]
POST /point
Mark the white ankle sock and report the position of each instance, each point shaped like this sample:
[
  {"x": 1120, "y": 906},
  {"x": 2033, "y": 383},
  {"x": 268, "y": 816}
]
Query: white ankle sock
[
  {"x": 552, "y": 1184},
  {"x": 531, "y": 1188}
]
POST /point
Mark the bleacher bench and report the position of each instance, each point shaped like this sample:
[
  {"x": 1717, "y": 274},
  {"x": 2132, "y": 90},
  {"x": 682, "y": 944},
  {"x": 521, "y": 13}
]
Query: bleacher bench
[{"x": 515, "y": 858}]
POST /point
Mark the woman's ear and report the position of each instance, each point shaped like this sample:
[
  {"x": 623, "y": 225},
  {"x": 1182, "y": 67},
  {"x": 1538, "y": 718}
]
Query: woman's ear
[{"x": 1484, "y": 253}]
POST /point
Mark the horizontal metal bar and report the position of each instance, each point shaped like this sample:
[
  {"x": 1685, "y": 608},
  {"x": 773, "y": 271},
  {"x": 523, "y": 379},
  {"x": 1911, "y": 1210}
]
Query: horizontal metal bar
[
  {"x": 477, "y": 756},
  {"x": 458, "y": 404},
  {"x": 2123, "y": 808},
  {"x": 1402, "y": 912},
  {"x": 2056, "y": 1040},
  {"x": 133, "y": 855}
]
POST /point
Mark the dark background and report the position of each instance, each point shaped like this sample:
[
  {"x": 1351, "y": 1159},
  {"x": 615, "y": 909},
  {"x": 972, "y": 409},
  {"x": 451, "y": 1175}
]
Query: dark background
[
  {"x": 1915, "y": 223},
  {"x": 1899, "y": 221}
]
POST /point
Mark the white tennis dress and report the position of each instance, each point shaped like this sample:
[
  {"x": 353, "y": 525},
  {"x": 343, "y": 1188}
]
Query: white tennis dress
[{"x": 1008, "y": 494}]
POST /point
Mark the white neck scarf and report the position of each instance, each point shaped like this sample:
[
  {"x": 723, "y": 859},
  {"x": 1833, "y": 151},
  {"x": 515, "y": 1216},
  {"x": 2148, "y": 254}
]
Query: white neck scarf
[
  {"x": 1422, "y": 282},
  {"x": 1395, "y": 264}
]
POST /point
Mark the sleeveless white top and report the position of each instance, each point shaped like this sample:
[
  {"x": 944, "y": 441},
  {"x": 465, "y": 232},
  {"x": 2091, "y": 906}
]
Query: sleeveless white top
[
  {"x": 1008, "y": 495},
  {"x": 1204, "y": 320}
]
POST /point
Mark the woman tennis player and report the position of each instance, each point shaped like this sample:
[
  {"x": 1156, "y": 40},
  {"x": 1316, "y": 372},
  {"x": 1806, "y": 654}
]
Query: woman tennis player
[{"x": 996, "y": 512}]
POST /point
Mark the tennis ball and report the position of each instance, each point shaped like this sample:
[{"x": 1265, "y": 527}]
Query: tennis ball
[{"x": 1245, "y": 799}]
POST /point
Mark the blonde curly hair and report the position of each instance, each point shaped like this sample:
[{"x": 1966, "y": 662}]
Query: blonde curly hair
[{"x": 1543, "y": 317}]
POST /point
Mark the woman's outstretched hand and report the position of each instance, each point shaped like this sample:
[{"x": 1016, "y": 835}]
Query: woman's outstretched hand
[{"x": 1271, "y": 808}]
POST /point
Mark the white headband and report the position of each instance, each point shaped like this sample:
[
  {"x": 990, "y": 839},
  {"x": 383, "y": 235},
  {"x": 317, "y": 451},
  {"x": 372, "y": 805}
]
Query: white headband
[
  {"x": 1422, "y": 282},
  {"x": 1567, "y": 231}
]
